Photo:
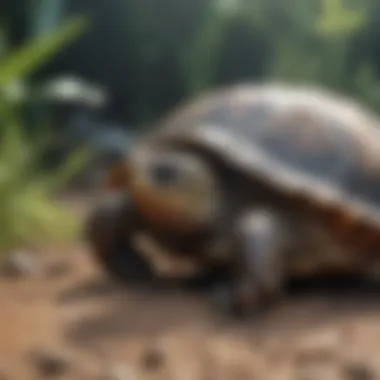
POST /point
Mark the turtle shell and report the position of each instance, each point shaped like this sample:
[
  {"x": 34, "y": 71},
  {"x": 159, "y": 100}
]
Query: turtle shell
[{"x": 307, "y": 143}]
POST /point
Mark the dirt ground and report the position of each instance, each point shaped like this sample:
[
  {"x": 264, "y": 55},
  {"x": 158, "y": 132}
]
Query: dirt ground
[{"x": 68, "y": 321}]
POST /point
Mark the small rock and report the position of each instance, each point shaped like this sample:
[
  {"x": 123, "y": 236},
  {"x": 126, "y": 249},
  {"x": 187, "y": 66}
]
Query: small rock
[
  {"x": 358, "y": 371},
  {"x": 153, "y": 359},
  {"x": 119, "y": 372},
  {"x": 20, "y": 264},
  {"x": 51, "y": 362}
]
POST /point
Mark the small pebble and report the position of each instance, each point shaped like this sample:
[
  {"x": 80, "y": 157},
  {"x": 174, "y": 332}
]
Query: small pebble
[
  {"x": 153, "y": 359},
  {"x": 21, "y": 264},
  {"x": 51, "y": 362},
  {"x": 358, "y": 371}
]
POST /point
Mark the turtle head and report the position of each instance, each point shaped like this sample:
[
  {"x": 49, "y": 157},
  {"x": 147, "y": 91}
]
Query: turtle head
[{"x": 173, "y": 189}]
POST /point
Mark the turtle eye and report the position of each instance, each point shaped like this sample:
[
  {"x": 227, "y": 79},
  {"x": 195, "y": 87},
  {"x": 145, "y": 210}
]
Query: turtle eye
[{"x": 164, "y": 174}]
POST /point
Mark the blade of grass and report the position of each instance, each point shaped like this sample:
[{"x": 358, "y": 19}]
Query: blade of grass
[{"x": 28, "y": 58}]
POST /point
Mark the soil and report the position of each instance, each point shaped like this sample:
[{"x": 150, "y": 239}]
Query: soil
[{"x": 69, "y": 321}]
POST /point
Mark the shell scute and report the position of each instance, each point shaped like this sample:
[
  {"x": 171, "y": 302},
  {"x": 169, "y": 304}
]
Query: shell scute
[{"x": 301, "y": 140}]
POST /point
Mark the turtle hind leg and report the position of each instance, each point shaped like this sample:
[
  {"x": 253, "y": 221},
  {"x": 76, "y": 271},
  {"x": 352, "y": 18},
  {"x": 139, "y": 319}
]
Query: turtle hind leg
[
  {"x": 109, "y": 232},
  {"x": 257, "y": 275}
]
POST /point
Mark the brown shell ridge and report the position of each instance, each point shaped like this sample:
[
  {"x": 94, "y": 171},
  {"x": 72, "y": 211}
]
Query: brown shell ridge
[{"x": 250, "y": 157}]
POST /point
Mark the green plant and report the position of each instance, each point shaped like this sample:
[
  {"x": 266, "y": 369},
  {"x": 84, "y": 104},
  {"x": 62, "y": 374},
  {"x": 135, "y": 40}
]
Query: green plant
[
  {"x": 29, "y": 213},
  {"x": 308, "y": 41},
  {"x": 198, "y": 60},
  {"x": 25, "y": 60}
]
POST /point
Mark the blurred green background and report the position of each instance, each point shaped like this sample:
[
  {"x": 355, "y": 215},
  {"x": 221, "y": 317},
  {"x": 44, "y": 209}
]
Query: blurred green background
[
  {"x": 146, "y": 56},
  {"x": 150, "y": 55}
]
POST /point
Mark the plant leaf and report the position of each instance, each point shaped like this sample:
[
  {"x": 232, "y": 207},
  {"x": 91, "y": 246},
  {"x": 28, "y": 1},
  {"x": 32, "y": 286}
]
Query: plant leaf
[{"x": 25, "y": 60}]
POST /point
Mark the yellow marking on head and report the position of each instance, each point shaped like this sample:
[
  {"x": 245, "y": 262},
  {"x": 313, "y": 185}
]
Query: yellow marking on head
[{"x": 184, "y": 202}]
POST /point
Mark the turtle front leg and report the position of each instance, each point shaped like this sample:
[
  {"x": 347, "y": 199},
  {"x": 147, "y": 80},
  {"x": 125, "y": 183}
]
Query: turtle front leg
[
  {"x": 109, "y": 231},
  {"x": 258, "y": 271}
]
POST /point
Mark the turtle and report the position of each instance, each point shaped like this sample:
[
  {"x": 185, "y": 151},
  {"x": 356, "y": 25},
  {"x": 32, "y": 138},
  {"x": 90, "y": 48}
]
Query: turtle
[{"x": 260, "y": 182}]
